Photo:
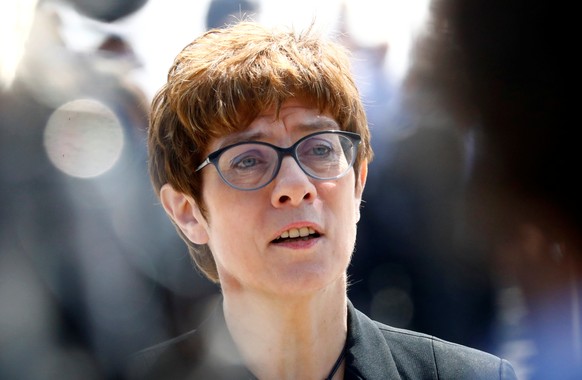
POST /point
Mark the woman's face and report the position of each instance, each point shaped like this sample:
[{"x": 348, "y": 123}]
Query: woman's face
[{"x": 244, "y": 228}]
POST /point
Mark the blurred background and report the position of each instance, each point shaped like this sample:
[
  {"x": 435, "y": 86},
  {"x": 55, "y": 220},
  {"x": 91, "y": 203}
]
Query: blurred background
[{"x": 91, "y": 269}]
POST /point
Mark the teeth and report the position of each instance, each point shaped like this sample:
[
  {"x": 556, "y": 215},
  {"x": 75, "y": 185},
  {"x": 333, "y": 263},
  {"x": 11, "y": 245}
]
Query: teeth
[{"x": 297, "y": 232}]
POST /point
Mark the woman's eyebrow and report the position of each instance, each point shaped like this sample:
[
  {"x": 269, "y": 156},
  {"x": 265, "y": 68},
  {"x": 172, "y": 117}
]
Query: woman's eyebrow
[
  {"x": 241, "y": 137},
  {"x": 318, "y": 123}
]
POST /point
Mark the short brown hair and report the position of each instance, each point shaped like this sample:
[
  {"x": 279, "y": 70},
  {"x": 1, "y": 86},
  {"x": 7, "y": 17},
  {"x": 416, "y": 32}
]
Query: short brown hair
[{"x": 222, "y": 80}]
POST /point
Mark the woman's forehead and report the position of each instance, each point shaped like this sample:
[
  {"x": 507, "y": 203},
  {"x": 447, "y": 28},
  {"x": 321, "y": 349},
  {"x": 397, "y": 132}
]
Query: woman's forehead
[{"x": 294, "y": 116}]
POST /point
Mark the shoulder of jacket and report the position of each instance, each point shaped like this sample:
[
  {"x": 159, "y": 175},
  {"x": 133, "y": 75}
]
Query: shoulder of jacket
[{"x": 450, "y": 360}]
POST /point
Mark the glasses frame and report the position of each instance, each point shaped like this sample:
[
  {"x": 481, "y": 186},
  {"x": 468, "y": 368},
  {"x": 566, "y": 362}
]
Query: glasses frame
[{"x": 214, "y": 157}]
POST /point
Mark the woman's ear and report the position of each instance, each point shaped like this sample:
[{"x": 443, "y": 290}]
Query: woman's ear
[
  {"x": 360, "y": 184},
  {"x": 361, "y": 179},
  {"x": 185, "y": 213}
]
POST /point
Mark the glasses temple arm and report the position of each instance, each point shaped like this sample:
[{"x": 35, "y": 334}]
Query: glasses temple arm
[{"x": 203, "y": 164}]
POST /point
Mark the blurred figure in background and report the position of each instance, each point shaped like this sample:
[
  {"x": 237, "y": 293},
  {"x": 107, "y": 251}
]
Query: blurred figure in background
[
  {"x": 79, "y": 263},
  {"x": 500, "y": 68}
]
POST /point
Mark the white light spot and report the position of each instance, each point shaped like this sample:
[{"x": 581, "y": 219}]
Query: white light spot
[
  {"x": 16, "y": 19},
  {"x": 83, "y": 138}
]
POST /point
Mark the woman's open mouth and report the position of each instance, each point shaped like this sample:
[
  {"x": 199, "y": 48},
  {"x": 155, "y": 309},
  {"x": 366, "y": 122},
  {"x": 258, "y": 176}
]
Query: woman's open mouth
[{"x": 297, "y": 234}]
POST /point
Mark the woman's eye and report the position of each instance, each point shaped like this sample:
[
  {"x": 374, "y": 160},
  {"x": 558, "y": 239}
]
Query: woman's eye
[
  {"x": 245, "y": 162},
  {"x": 253, "y": 159},
  {"x": 321, "y": 150},
  {"x": 317, "y": 147}
]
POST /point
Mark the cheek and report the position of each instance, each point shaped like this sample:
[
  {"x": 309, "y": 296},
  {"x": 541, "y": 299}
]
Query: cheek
[
  {"x": 225, "y": 229},
  {"x": 232, "y": 220},
  {"x": 343, "y": 210},
  {"x": 342, "y": 197}
]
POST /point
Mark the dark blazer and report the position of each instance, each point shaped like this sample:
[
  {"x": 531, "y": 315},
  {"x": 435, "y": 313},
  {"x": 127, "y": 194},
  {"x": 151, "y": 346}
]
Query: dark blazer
[
  {"x": 377, "y": 351},
  {"x": 373, "y": 351}
]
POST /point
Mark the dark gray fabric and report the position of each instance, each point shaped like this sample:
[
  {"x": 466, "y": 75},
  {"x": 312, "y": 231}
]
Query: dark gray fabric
[{"x": 377, "y": 351}]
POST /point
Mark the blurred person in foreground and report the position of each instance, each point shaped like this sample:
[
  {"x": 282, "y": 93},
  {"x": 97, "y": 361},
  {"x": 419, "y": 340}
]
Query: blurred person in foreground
[
  {"x": 73, "y": 264},
  {"x": 259, "y": 149},
  {"x": 501, "y": 68}
]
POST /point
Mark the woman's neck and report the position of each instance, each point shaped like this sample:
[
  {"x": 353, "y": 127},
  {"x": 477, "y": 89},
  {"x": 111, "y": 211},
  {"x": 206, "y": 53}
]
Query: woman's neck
[{"x": 289, "y": 337}]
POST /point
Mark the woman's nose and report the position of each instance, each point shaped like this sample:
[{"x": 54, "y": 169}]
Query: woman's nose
[{"x": 292, "y": 185}]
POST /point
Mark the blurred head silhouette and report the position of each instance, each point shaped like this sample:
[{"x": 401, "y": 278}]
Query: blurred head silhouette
[
  {"x": 107, "y": 10},
  {"x": 223, "y": 12}
]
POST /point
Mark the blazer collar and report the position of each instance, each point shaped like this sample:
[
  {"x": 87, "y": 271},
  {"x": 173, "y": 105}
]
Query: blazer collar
[{"x": 368, "y": 354}]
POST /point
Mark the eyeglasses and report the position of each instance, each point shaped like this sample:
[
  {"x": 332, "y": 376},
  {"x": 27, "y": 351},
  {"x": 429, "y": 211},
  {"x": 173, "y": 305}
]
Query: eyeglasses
[{"x": 251, "y": 165}]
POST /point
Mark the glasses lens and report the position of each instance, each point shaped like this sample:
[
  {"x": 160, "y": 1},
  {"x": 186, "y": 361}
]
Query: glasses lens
[
  {"x": 248, "y": 166},
  {"x": 326, "y": 155}
]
